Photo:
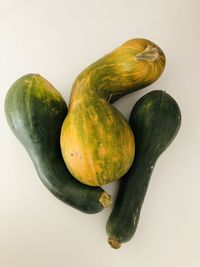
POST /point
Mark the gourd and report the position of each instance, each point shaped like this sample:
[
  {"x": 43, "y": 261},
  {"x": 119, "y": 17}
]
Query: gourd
[
  {"x": 155, "y": 121},
  {"x": 35, "y": 111},
  {"x": 97, "y": 143}
]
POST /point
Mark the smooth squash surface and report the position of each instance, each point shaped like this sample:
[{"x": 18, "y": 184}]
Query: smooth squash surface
[
  {"x": 96, "y": 141},
  {"x": 155, "y": 121},
  {"x": 35, "y": 111}
]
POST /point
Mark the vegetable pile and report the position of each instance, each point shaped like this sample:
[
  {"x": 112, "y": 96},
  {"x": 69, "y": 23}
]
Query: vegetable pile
[{"x": 79, "y": 149}]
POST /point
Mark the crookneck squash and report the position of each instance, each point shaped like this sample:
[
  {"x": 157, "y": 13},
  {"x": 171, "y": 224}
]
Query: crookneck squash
[
  {"x": 96, "y": 141},
  {"x": 155, "y": 121},
  {"x": 35, "y": 111}
]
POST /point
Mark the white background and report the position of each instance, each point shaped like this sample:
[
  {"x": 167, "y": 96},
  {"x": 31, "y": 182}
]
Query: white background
[{"x": 58, "y": 39}]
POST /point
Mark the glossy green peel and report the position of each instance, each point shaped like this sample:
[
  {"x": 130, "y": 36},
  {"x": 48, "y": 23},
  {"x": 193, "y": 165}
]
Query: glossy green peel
[
  {"x": 155, "y": 120},
  {"x": 35, "y": 111}
]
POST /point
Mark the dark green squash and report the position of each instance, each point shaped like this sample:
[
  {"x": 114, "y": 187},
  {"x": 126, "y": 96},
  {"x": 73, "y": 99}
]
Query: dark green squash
[
  {"x": 35, "y": 111},
  {"x": 155, "y": 121}
]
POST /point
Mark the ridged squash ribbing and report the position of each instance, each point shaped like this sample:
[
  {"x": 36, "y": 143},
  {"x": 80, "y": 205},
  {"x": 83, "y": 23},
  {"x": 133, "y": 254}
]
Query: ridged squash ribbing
[{"x": 96, "y": 141}]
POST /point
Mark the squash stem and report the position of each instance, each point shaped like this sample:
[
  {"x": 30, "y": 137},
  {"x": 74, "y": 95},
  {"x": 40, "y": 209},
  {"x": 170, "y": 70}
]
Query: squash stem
[
  {"x": 114, "y": 243},
  {"x": 105, "y": 200},
  {"x": 150, "y": 54}
]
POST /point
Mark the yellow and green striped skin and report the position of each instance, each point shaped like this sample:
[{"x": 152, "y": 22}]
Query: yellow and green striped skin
[{"x": 96, "y": 141}]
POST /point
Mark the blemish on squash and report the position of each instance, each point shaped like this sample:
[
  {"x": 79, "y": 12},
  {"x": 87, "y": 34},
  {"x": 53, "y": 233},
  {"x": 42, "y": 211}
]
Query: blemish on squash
[{"x": 76, "y": 154}]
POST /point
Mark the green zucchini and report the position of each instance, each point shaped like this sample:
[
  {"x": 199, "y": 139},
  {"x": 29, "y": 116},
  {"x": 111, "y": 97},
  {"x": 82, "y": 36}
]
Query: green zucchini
[
  {"x": 155, "y": 121},
  {"x": 35, "y": 111}
]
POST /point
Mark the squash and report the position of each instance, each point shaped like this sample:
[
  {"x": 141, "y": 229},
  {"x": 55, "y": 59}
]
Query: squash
[
  {"x": 96, "y": 141},
  {"x": 155, "y": 121},
  {"x": 35, "y": 111}
]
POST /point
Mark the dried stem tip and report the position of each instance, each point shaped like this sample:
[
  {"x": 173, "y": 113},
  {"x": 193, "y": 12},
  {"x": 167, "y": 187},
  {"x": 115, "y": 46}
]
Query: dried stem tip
[
  {"x": 114, "y": 243},
  {"x": 150, "y": 54},
  {"x": 105, "y": 200}
]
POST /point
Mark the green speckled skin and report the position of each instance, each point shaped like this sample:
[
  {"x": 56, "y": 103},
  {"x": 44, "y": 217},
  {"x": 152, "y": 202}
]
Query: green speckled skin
[
  {"x": 35, "y": 111},
  {"x": 132, "y": 66},
  {"x": 155, "y": 121},
  {"x": 99, "y": 141}
]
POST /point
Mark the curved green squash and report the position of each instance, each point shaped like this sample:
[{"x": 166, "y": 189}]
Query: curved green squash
[
  {"x": 35, "y": 111},
  {"x": 96, "y": 141},
  {"x": 155, "y": 121}
]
